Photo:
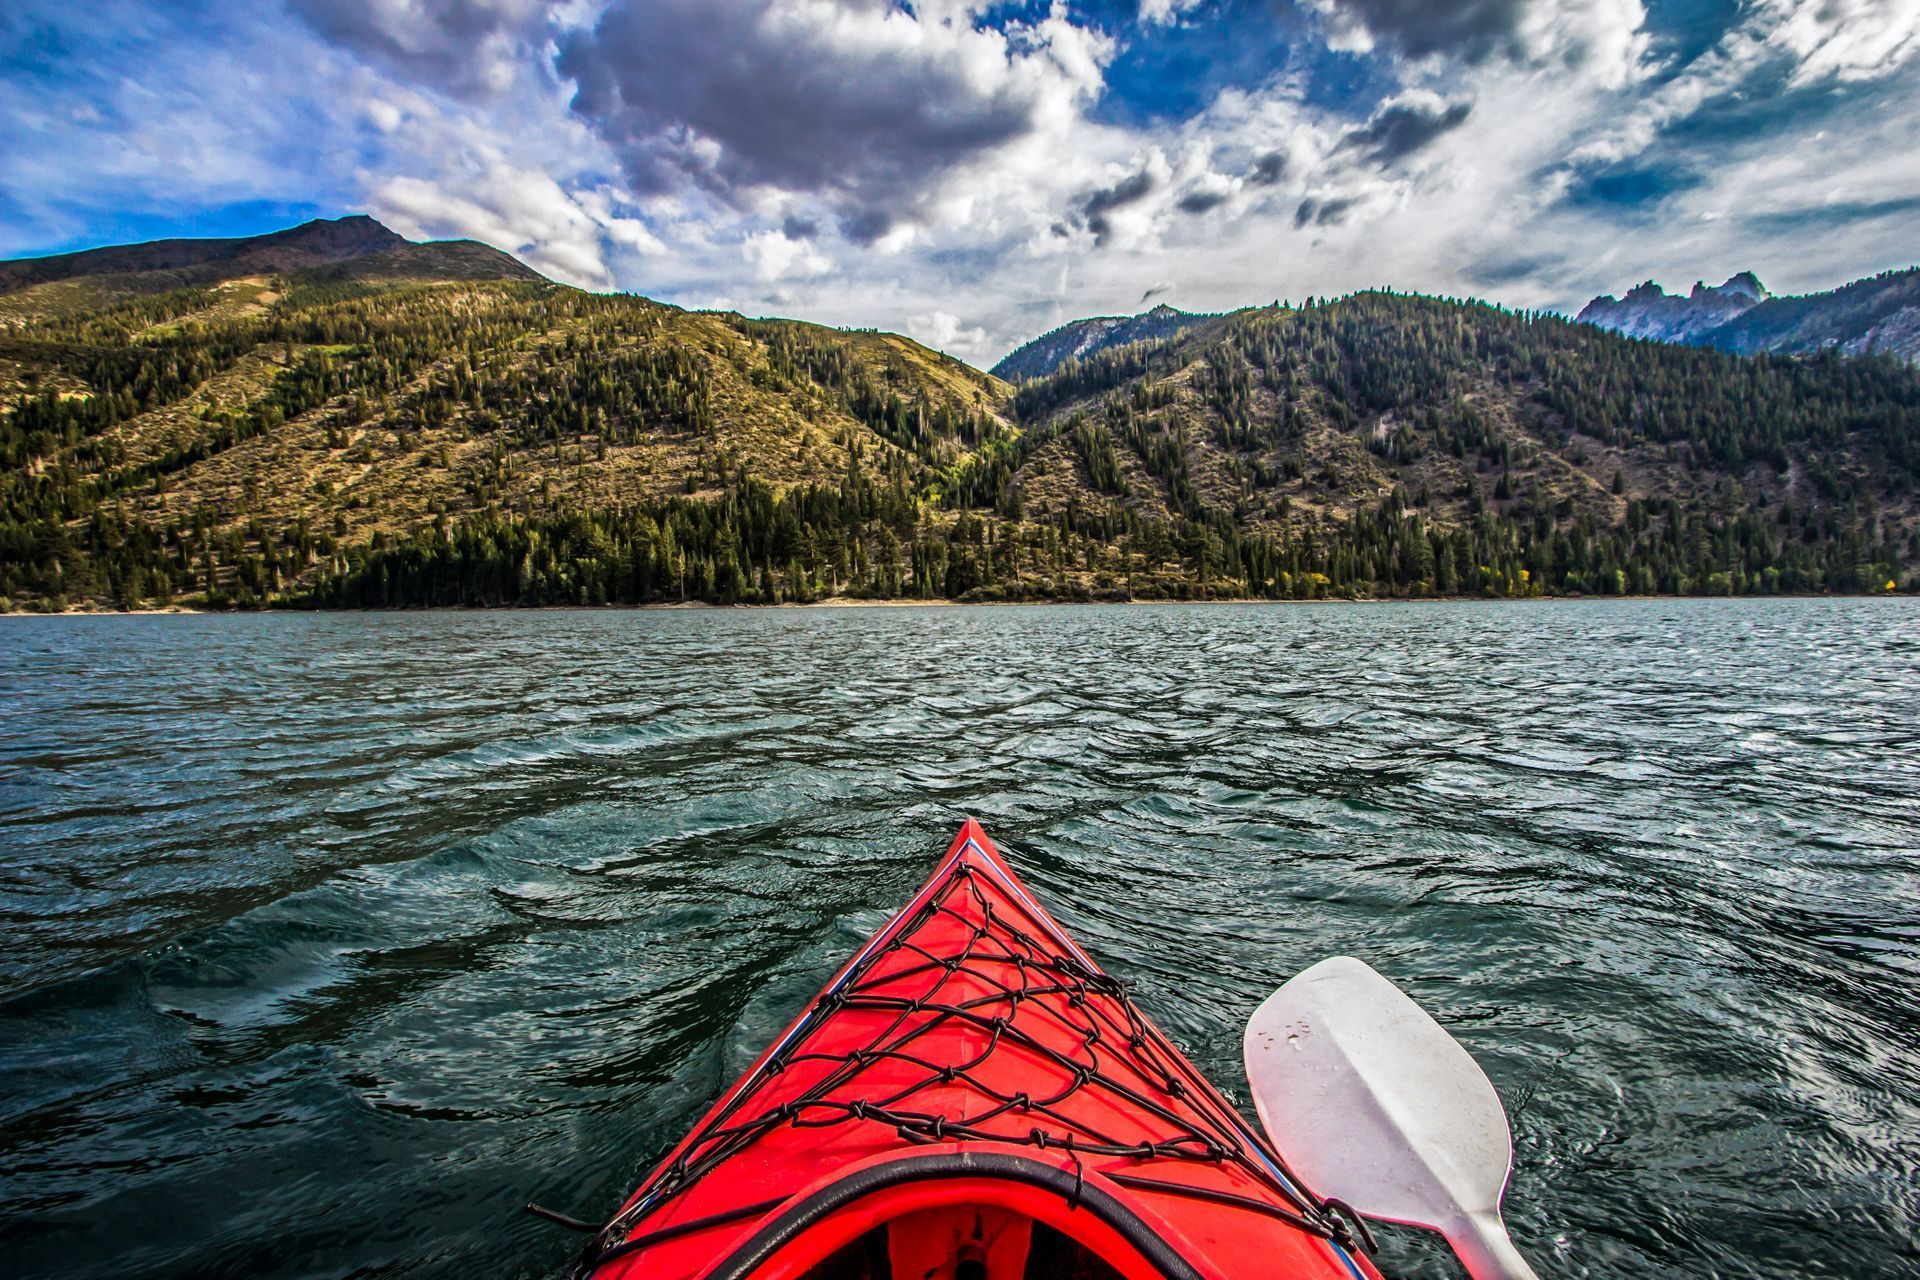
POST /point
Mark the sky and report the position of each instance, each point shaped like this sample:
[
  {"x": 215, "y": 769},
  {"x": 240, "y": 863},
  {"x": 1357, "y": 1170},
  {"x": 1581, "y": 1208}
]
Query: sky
[{"x": 975, "y": 173}]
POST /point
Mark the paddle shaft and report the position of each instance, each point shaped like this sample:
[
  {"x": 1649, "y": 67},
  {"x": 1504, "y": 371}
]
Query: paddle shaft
[{"x": 1482, "y": 1244}]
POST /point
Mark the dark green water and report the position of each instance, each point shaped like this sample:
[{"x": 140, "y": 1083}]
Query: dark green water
[{"x": 328, "y": 941}]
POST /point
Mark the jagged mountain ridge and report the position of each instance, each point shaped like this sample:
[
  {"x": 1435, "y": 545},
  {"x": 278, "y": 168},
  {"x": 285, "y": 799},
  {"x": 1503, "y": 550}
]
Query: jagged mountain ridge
[
  {"x": 1080, "y": 339},
  {"x": 1877, "y": 315},
  {"x": 1648, "y": 311}
]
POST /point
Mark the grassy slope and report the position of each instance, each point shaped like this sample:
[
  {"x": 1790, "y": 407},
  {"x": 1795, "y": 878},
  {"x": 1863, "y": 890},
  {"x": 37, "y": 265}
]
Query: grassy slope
[
  {"x": 394, "y": 481},
  {"x": 403, "y": 468}
]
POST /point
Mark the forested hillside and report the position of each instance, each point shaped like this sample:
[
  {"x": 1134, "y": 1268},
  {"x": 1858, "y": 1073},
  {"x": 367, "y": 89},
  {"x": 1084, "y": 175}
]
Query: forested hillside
[
  {"x": 361, "y": 437},
  {"x": 1083, "y": 339},
  {"x": 1389, "y": 443},
  {"x": 292, "y": 437}
]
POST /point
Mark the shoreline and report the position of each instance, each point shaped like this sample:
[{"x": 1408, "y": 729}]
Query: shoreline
[{"x": 848, "y": 602}]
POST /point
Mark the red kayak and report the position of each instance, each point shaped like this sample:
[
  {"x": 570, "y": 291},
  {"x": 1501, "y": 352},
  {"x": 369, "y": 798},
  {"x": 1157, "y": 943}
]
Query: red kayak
[{"x": 971, "y": 1098}]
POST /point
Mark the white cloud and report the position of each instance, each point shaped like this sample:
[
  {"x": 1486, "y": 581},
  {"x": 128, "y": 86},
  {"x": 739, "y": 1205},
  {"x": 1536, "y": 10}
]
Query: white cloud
[
  {"x": 633, "y": 233},
  {"x": 1847, "y": 40},
  {"x": 944, "y": 331},
  {"x": 386, "y": 117},
  {"x": 477, "y": 47},
  {"x": 1604, "y": 40},
  {"x": 774, "y": 256},
  {"x": 526, "y": 213},
  {"x": 871, "y": 108},
  {"x": 1161, "y": 12}
]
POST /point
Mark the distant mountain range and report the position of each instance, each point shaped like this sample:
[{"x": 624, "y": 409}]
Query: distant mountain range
[
  {"x": 1876, "y": 315},
  {"x": 1084, "y": 338},
  {"x": 354, "y": 247}
]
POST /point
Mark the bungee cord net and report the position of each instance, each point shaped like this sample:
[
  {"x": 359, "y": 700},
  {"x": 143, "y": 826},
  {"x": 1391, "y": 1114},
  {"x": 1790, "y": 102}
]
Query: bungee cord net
[{"x": 963, "y": 971}]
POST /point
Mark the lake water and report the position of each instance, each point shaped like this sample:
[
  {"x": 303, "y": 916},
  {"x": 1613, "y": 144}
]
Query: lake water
[{"x": 331, "y": 940}]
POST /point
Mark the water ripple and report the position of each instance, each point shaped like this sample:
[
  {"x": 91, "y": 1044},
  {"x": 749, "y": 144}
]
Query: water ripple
[{"x": 329, "y": 940}]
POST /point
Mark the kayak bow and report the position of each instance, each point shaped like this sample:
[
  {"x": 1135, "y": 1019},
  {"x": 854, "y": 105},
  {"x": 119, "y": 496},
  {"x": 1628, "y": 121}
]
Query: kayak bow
[{"x": 971, "y": 1098}]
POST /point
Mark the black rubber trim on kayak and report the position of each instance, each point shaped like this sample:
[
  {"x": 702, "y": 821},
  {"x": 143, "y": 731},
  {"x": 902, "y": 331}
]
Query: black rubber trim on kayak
[
  {"x": 1211, "y": 1196},
  {"x": 777, "y": 1234},
  {"x": 687, "y": 1228}
]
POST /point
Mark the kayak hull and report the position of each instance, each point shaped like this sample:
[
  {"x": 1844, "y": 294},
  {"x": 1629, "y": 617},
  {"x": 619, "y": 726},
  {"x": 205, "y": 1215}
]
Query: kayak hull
[{"x": 972, "y": 1098}]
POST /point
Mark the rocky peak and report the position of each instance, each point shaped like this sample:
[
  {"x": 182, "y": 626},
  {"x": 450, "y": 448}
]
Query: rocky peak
[
  {"x": 1745, "y": 287},
  {"x": 1648, "y": 311}
]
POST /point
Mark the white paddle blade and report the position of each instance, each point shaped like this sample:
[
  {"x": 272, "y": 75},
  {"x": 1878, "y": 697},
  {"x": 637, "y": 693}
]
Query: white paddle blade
[{"x": 1372, "y": 1102}]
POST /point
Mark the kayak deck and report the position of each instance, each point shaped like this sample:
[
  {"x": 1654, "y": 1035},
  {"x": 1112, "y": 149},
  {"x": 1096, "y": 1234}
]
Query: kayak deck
[{"x": 972, "y": 1097}]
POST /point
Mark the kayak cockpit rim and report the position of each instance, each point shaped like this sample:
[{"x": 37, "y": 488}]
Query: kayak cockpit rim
[{"x": 1043, "y": 1192}]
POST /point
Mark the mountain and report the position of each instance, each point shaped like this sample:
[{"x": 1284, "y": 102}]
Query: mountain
[
  {"x": 357, "y": 246},
  {"x": 1880, "y": 314},
  {"x": 307, "y": 245},
  {"x": 270, "y": 435},
  {"x": 1648, "y": 311},
  {"x": 358, "y": 434},
  {"x": 1076, "y": 341},
  {"x": 1877, "y": 315}
]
